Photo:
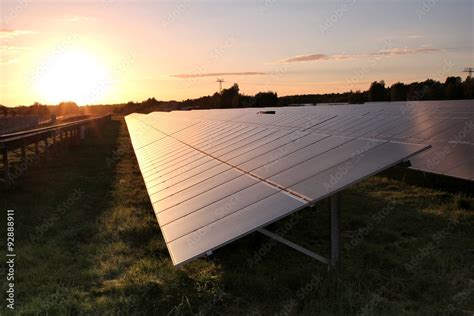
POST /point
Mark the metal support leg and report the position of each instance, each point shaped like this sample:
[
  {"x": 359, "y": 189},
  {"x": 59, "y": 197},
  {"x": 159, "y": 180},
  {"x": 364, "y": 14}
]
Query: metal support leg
[
  {"x": 6, "y": 167},
  {"x": 23, "y": 158},
  {"x": 46, "y": 148},
  {"x": 335, "y": 232},
  {"x": 294, "y": 246}
]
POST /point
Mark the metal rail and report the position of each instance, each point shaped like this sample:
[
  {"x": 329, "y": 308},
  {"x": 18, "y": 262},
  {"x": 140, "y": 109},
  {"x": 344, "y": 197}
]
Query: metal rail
[{"x": 71, "y": 132}]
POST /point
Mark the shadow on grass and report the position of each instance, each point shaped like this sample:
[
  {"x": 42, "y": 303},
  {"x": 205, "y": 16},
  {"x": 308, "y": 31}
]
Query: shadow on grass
[
  {"x": 105, "y": 254},
  {"x": 56, "y": 207},
  {"x": 397, "y": 241}
]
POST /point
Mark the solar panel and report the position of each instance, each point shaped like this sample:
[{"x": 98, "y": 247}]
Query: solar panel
[
  {"x": 214, "y": 176},
  {"x": 437, "y": 123}
]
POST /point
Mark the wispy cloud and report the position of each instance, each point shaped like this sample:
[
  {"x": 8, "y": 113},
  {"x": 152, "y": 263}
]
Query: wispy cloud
[
  {"x": 217, "y": 74},
  {"x": 383, "y": 52},
  {"x": 8, "y": 34},
  {"x": 405, "y": 51},
  {"x": 312, "y": 57}
]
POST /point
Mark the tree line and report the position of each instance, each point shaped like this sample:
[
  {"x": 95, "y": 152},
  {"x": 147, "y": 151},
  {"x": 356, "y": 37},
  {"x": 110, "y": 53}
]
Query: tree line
[{"x": 453, "y": 88}]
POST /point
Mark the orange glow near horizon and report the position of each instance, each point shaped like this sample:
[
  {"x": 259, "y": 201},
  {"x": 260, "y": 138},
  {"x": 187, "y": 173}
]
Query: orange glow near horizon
[{"x": 109, "y": 52}]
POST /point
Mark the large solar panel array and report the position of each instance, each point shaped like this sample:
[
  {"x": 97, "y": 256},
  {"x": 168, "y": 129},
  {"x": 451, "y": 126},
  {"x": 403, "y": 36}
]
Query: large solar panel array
[
  {"x": 214, "y": 176},
  {"x": 448, "y": 126}
]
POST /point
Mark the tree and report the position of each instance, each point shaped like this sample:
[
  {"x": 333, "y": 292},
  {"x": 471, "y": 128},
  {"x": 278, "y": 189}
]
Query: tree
[
  {"x": 266, "y": 99},
  {"x": 67, "y": 108},
  {"x": 356, "y": 97},
  {"x": 228, "y": 95},
  {"x": 398, "y": 92},
  {"x": 468, "y": 87},
  {"x": 377, "y": 91},
  {"x": 454, "y": 88}
]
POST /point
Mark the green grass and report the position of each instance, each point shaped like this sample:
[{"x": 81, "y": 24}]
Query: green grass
[{"x": 100, "y": 251}]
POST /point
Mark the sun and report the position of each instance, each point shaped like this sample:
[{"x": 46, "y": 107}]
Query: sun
[{"x": 74, "y": 75}]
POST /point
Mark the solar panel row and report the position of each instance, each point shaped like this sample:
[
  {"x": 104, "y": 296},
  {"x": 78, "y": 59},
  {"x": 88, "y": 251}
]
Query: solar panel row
[
  {"x": 215, "y": 176},
  {"x": 448, "y": 126}
]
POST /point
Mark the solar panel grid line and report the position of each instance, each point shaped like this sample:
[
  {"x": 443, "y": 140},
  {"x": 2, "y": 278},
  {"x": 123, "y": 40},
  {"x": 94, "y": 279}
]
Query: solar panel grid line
[
  {"x": 203, "y": 159},
  {"x": 279, "y": 205},
  {"x": 150, "y": 139},
  {"x": 463, "y": 171},
  {"x": 224, "y": 140},
  {"x": 203, "y": 174},
  {"x": 190, "y": 169},
  {"x": 340, "y": 121},
  {"x": 236, "y": 154},
  {"x": 307, "y": 120},
  {"x": 280, "y": 152},
  {"x": 168, "y": 201},
  {"x": 207, "y": 199},
  {"x": 323, "y": 161},
  {"x": 455, "y": 134},
  {"x": 213, "y": 212},
  {"x": 160, "y": 149},
  {"x": 315, "y": 125},
  {"x": 234, "y": 168},
  {"x": 354, "y": 129},
  {"x": 364, "y": 165},
  {"x": 353, "y": 121},
  {"x": 416, "y": 129},
  {"x": 243, "y": 143},
  {"x": 237, "y": 140},
  {"x": 176, "y": 152},
  {"x": 190, "y": 182},
  {"x": 204, "y": 129},
  {"x": 299, "y": 156},
  {"x": 268, "y": 147},
  {"x": 287, "y": 120},
  {"x": 174, "y": 165},
  {"x": 436, "y": 133},
  {"x": 183, "y": 127},
  {"x": 173, "y": 162},
  {"x": 232, "y": 139},
  {"x": 216, "y": 135},
  {"x": 444, "y": 157},
  {"x": 428, "y": 132},
  {"x": 211, "y": 134}
]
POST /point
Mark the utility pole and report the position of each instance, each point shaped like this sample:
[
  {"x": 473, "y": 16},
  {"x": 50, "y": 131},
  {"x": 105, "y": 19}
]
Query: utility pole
[
  {"x": 469, "y": 70},
  {"x": 220, "y": 83}
]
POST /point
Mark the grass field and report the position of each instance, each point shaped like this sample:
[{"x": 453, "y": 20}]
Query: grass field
[{"x": 87, "y": 242}]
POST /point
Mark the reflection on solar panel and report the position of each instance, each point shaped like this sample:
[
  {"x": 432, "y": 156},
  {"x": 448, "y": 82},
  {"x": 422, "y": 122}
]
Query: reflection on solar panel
[{"x": 216, "y": 175}]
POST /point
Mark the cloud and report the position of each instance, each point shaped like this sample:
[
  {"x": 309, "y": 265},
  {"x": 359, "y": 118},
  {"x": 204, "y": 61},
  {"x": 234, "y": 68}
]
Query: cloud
[
  {"x": 9, "y": 34},
  {"x": 217, "y": 74},
  {"x": 404, "y": 51},
  {"x": 383, "y": 52},
  {"x": 305, "y": 58}
]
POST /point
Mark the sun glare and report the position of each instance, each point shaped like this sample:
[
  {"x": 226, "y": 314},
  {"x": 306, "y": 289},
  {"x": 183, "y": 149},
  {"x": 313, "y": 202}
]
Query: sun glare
[{"x": 72, "y": 76}]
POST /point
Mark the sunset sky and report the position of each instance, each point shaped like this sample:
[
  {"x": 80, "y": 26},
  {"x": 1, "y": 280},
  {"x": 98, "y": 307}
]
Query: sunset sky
[{"x": 111, "y": 51}]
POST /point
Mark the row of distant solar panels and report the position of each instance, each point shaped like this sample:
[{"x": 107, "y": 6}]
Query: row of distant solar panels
[
  {"x": 448, "y": 126},
  {"x": 213, "y": 181}
]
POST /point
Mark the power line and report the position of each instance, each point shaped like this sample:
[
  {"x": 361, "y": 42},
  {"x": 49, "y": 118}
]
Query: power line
[{"x": 469, "y": 70}]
